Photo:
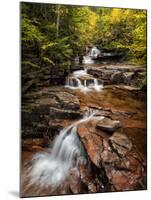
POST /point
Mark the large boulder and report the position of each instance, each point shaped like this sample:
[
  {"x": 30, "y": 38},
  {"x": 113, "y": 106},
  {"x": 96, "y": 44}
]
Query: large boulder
[
  {"x": 114, "y": 155},
  {"x": 108, "y": 124},
  {"x": 93, "y": 143}
]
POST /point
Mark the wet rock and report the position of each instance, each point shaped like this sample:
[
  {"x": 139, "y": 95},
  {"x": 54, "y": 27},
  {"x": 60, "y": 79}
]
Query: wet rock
[
  {"x": 108, "y": 155},
  {"x": 48, "y": 101},
  {"x": 141, "y": 74},
  {"x": 87, "y": 178},
  {"x": 115, "y": 155},
  {"x": 108, "y": 125},
  {"x": 92, "y": 188},
  {"x": 55, "y": 125},
  {"x": 118, "y": 74},
  {"x": 117, "y": 78},
  {"x": 120, "y": 143},
  {"x": 126, "y": 87},
  {"x": 106, "y": 74},
  {"x": 63, "y": 114},
  {"x": 125, "y": 174},
  {"x": 93, "y": 143},
  {"x": 128, "y": 76},
  {"x": 68, "y": 101},
  {"x": 32, "y": 141},
  {"x": 32, "y": 115},
  {"x": 75, "y": 182},
  {"x": 103, "y": 113}
]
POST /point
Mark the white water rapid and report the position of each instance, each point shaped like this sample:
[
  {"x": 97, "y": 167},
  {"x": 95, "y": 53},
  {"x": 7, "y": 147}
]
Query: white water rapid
[
  {"x": 83, "y": 81},
  {"x": 93, "y": 53},
  {"x": 51, "y": 169}
]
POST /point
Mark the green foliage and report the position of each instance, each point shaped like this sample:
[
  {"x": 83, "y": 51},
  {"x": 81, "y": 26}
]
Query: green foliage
[
  {"x": 30, "y": 64},
  {"x": 30, "y": 32},
  {"x": 77, "y": 28},
  {"x": 124, "y": 28},
  {"x": 47, "y": 61}
]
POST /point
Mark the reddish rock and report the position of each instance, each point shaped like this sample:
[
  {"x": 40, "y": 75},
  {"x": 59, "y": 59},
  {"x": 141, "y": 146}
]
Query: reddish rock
[
  {"x": 87, "y": 178},
  {"x": 93, "y": 144},
  {"x": 64, "y": 114},
  {"x": 108, "y": 156},
  {"x": 115, "y": 155},
  {"x": 68, "y": 101},
  {"x": 125, "y": 173},
  {"x": 75, "y": 182},
  {"x": 108, "y": 125},
  {"x": 120, "y": 143}
]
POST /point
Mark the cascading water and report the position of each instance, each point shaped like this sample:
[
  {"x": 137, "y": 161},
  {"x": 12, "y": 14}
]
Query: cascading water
[
  {"x": 82, "y": 80},
  {"x": 93, "y": 53},
  {"x": 51, "y": 169},
  {"x": 80, "y": 73},
  {"x": 87, "y": 60}
]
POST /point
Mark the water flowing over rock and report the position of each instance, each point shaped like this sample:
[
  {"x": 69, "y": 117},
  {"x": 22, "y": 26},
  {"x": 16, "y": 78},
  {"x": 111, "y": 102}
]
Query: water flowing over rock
[
  {"x": 80, "y": 79},
  {"x": 82, "y": 134},
  {"x": 50, "y": 170},
  {"x": 91, "y": 55},
  {"x": 67, "y": 154},
  {"x": 84, "y": 157}
]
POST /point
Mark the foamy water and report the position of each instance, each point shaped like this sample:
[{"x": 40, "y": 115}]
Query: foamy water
[
  {"x": 74, "y": 82},
  {"x": 93, "y": 53},
  {"x": 51, "y": 169}
]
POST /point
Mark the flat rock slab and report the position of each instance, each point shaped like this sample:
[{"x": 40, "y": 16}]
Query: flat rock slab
[
  {"x": 108, "y": 125},
  {"x": 67, "y": 100},
  {"x": 126, "y": 87},
  {"x": 64, "y": 113},
  {"x": 48, "y": 101}
]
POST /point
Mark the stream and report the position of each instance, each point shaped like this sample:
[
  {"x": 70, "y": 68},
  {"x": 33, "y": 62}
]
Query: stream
[{"x": 73, "y": 161}]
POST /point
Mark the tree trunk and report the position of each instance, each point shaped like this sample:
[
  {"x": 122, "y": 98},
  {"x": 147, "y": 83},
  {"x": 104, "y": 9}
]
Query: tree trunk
[{"x": 58, "y": 21}]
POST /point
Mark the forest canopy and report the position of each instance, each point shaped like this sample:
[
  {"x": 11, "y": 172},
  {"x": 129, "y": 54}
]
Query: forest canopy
[{"x": 52, "y": 35}]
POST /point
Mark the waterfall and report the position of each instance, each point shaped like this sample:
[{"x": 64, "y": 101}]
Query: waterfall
[
  {"x": 79, "y": 84},
  {"x": 93, "y": 53},
  {"x": 80, "y": 73},
  {"x": 83, "y": 81},
  {"x": 96, "y": 85},
  {"x": 87, "y": 60},
  {"x": 51, "y": 169}
]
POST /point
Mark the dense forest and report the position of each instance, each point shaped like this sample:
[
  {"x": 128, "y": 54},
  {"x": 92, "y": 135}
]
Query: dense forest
[
  {"x": 52, "y": 35},
  {"x": 83, "y": 120}
]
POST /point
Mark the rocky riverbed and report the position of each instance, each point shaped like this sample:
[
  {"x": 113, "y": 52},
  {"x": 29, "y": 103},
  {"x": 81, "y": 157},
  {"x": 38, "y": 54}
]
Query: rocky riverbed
[{"x": 114, "y": 140}]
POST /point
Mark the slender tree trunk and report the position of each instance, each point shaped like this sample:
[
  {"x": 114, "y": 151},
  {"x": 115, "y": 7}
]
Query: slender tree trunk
[{"x": 58, "y": 21}]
